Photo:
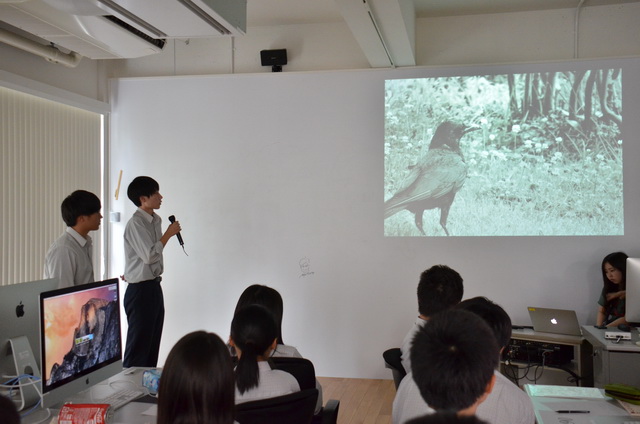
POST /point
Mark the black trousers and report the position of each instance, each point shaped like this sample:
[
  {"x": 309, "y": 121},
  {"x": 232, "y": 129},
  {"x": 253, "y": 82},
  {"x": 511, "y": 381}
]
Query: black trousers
[{"x": 144, "y": 306}]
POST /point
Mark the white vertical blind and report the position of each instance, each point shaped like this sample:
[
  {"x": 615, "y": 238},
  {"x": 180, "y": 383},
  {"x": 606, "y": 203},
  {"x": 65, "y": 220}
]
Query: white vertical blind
[{"x": 48, "y": 150}]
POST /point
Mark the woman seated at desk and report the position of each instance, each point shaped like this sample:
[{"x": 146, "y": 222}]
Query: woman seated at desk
[{"x": 611, "y": 307}]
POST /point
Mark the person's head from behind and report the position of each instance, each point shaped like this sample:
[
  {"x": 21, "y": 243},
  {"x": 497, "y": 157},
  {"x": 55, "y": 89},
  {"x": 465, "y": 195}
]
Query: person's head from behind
[
  {"x": 446, "y": 417},
  {"x": 142, "y": 187},
  {"x": 267, "y": 297},
  {"x": 254, "y": 336},
  {"x": 81, "y": 208},
  {"x": 197, "y": 384},
  {"x": 493, "y": 314},
  {"x": 614, "y": 272},
  {"x": 453, "y": 358},
  {"x": 8, "y": 411},
  {"x": 440, "y": 288}
]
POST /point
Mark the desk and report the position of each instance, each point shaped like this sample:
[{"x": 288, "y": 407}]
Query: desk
[
  {"x": 581, "y": 364},
  {"x": 131, "y": 413},
  {"x": 603, "y": 409},
  {"x": 614, "y": 362}
]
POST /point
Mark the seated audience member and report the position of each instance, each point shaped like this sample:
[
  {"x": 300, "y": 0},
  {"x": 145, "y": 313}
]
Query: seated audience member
[
  {"x": 197, "y": 383},
  {"x": 446, "y": 418},
  {"x": 440, "y": 288},
  {"x": 8, "y": 411},
  {"x": 506, "y": 404},
  {"x": 611, "y": 304},
  {"x": 254, "y": 336},
  {"x": 453, "y": 359},
  {"x": 271, "y": 300}
]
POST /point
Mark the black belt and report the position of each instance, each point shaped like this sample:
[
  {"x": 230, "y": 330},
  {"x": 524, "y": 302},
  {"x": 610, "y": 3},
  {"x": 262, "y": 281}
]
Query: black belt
[{"x": 155, "y": 280}]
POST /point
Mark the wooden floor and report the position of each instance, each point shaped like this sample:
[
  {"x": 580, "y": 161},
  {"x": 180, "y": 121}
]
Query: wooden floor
[{"x": 361, "y": 400}]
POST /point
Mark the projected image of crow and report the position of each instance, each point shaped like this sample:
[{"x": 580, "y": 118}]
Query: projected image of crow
[{"x": 434, "y": 181}]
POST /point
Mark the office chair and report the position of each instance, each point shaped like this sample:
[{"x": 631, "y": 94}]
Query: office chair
[
  {"x": 392, "y": 361},
  {"x": 294, "y": 408},
  {"x": 303, "y": 370}
]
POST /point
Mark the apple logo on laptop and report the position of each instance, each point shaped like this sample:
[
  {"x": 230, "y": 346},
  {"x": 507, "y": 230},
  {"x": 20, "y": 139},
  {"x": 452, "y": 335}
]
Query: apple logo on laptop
[
  {"x": 20, "y": 310},
  {"x": 554, "y": 321}
]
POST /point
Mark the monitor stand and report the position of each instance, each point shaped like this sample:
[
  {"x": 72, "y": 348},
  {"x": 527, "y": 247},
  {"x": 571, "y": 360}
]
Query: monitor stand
[{"x": 24, "y": 364}]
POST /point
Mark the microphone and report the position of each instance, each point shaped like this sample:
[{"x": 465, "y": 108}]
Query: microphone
[{"x": 172, "y": 219}]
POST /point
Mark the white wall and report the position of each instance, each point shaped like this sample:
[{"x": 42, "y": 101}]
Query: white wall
[{"x": 264, "y": 170}]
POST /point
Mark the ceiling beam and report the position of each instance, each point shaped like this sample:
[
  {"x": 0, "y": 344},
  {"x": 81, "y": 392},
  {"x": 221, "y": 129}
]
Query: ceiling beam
[{"x": 384, "y": 29}]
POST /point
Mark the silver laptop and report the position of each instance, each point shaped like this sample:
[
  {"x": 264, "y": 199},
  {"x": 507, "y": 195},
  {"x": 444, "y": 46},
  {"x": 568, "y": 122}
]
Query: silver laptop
[{"x": 558, "y": 321}]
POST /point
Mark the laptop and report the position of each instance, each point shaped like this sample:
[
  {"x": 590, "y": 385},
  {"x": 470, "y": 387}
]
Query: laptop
[{"x": 558, "y": 321}]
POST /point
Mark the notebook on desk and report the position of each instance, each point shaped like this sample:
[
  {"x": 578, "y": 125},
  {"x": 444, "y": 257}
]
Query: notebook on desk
[
  {"x": 558, "y": 321},
  {"x": 620, "y": 419}
]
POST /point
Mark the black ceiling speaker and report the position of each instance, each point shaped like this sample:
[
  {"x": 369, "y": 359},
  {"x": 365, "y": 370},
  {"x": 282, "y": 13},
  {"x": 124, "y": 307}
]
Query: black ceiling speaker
[{"x": 274, "y": 58}]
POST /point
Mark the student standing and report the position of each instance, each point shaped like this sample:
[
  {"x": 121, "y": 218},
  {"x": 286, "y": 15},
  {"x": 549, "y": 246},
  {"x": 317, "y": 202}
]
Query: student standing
[
  {"x": 70, "y": 257},
  {"x": 143, "y": 300}
]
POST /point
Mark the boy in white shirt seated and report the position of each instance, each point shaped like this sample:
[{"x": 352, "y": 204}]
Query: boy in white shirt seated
[
  {"x": 453, "y": 359},
  {"x": 507, "y": 403}
]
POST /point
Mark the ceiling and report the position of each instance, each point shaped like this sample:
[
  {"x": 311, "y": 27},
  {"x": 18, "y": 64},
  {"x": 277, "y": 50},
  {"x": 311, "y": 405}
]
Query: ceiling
[
  {"x": 384, "y": 29},
  {"x": 289, "y": 12}
]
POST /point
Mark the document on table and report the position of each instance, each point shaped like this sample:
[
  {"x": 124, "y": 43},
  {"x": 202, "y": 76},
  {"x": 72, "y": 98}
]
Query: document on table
[{"x": 564, "y": 391}]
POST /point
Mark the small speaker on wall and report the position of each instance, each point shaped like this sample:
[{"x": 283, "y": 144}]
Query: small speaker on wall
[{"x": 274, "y": 58}]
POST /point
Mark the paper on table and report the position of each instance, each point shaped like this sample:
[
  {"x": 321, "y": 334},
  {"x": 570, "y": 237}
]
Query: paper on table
[
  {"x": 594, "y": 406},
  {"x": 152, "y": 411},
  {"x": 552, "y": 417},
  {"x": 564, "y": 391}
]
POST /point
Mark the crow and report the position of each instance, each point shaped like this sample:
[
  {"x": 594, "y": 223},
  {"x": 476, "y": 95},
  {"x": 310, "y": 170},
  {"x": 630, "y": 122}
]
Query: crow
[{"x": 434, "y": 181}]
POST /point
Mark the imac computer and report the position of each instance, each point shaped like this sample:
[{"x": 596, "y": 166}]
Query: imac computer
[
  {"x": 632, "y": 303},
  {"x": 20, "y": 339},
  {"x": 80, "y": 338}
]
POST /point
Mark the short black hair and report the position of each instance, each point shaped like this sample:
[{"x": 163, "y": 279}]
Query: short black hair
[
  {"x": 440, "y": 288},
  {"x": 453, "y": 358},
  {"x": 446, "y": 417},
  {"x": 492, "y": 314},
  {"x": 142, "y": 186},
  {"x": 79, "y": 203}
]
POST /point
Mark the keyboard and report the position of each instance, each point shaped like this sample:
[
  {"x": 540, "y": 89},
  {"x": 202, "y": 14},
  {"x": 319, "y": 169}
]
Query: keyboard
[{"x": 122, "y": 397}]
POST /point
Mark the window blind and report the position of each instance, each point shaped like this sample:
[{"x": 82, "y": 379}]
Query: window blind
[{"x": 48, "y": 150}]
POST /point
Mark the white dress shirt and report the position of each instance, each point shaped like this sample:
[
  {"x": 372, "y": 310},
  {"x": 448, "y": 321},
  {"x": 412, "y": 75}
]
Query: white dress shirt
[
  {"x": 405, "y": 348},
  {"x": 143, "y": 248},
  {"x": 506, "y": 404},
  {"x": 272, "y": 383},
  {"x": 70, "y": 259}
]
